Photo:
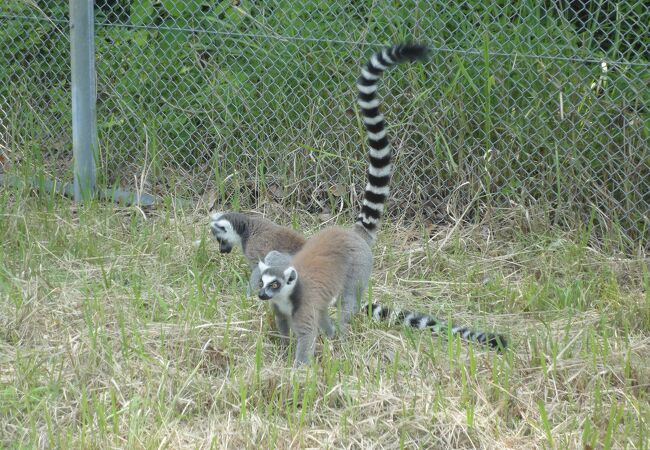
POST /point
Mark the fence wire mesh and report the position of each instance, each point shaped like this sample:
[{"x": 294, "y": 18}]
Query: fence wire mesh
[{"x": 535, "y": 104}]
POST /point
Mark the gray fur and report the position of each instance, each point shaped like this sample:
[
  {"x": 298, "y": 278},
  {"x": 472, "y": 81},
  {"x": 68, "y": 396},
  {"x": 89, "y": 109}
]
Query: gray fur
[
  {"x": 254, "y": 281},
  {"x": 255, "y": 236},
  {"x": 277, "y": 259},
  {"x": 281, "y": 323}
]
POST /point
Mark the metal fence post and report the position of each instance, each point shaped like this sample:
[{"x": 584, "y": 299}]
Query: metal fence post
[{"x": 84, "y": 129}]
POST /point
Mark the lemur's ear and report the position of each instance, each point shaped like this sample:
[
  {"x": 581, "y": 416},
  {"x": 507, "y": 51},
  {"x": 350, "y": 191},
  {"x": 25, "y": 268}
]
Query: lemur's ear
[
  {"x": 262, "y": 266},
  {"x": 291, "y": 275}
]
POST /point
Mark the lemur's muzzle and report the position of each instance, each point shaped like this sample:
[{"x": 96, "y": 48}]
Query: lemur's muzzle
[
  {"x": 263, "y": 295},
  {"x": 224, "y": 246}
]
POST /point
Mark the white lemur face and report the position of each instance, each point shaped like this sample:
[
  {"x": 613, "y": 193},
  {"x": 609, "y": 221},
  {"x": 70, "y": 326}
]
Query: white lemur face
[
  {"x": 224, "y": 233},
  {"x": 277, "y": 284}
]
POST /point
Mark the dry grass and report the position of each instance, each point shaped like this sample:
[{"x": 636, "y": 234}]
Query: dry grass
[{"x": 117, "y": 331}]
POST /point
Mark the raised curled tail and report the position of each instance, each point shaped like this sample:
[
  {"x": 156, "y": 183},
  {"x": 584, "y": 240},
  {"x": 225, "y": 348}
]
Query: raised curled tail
[
  {"x": 379, "y": 168},
  {"x": 421, "y": 321}
]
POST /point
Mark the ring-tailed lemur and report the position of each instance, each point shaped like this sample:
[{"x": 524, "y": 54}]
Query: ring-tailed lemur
[
  {"x": 336, "y": 262},
  {"x": 396, "y": 316},
  {"x": 255, "y": 236}
]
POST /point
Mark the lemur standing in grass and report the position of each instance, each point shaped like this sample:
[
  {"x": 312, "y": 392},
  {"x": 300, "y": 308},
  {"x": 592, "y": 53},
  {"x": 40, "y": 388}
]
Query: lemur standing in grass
[
  {"x": 337, "y": 262},
  {"x": 256, "y": 237},
  {"x": 281, "y": 261}
]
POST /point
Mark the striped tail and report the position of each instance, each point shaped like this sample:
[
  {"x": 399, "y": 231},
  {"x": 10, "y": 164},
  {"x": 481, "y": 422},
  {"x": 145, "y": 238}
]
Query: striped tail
[
  {"x": 421, "y": 321},
  {"x": 379, "y": 169}
]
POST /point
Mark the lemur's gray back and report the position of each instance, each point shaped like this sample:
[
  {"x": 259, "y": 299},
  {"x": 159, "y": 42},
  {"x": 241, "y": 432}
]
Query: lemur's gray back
[
  {"x": 259, "y": 236},
  {"x": 256, "y": 236}
]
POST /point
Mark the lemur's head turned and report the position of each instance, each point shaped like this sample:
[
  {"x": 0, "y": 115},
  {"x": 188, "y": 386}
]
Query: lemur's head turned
[{"x": 224, "y": 232}]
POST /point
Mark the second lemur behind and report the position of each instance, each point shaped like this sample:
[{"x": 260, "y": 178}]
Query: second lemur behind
[{"x": 255, "y": 236}]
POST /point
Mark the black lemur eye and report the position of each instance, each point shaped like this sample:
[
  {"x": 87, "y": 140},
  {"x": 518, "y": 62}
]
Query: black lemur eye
[{"x": 275, "y": 285}]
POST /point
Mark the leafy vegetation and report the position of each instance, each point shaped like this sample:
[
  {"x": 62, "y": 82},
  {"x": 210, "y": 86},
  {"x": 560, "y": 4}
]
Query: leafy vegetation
[{"x": 265, "y": 91}]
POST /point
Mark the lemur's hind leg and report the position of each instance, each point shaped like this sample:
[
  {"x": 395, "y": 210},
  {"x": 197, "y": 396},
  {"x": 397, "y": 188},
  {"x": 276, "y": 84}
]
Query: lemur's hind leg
[
  {"x": 254, "y": 281},
  {"x": 349, "y": 305},
  {"x": 326, "y": 325}
]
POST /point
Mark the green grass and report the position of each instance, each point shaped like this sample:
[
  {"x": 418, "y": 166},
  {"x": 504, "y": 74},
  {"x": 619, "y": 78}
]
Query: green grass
[{"x": 120, "y": 328}]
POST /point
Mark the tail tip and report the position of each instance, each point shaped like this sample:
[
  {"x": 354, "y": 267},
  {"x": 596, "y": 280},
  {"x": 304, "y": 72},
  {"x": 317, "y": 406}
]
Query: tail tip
[
  {"x": 498, "y": 342},
  {"x": 413, "y": 51}
]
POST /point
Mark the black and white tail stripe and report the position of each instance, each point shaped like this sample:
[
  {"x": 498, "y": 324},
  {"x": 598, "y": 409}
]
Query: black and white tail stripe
[
  {"x": 422, "y": 321},
  {"x": 379, "y": 169}
]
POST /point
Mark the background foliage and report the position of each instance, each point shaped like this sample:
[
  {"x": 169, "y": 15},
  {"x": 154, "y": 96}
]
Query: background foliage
[{"x": 515, "y": 107}]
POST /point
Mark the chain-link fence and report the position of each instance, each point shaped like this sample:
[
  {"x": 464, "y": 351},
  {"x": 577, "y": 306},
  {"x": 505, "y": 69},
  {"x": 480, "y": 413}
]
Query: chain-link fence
[{"x": 536, "y": 104}]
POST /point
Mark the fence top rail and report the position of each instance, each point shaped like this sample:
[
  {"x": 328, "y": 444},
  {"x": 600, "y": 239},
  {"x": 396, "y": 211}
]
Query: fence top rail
[{"x": 442, "y": 49}]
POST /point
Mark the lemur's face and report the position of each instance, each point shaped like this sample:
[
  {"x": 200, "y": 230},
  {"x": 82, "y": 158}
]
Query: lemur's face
[
  {"x": 224, "y": 233},
  {"x": 276, "y": 283}
]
